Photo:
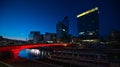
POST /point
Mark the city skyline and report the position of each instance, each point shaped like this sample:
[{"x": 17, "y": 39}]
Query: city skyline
[{"x": 19, "y": 17}]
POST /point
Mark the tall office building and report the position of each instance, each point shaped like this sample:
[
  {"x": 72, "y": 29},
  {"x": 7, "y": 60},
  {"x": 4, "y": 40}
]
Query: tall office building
[
  {"x": 88, "y": 23},
  {"x": 66, "y": 23},
  {"x": 62, "y": 29}
]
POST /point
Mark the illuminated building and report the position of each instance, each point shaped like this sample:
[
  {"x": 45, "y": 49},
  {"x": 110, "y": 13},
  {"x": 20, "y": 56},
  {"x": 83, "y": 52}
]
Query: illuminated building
[
  {"x": 87, "y": 12},
  {"x": 66, "y": 23},
  {"x": 88, "y": 23},
  {"x": 35, "y": 36},
  {"x": 62, "y": 29},
  {"x": 50, "y": 38}
]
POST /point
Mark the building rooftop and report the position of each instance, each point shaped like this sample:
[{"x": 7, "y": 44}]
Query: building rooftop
[{"x": 87, "y": 12}]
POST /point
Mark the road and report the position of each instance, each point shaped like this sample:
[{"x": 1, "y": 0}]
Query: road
[{"x": 29, "y": 63}]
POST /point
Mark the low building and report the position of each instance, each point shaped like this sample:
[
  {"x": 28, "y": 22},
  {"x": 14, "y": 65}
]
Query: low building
[
  {"x": 50, "y": 38},
  {"x": 35, "y": 37}
]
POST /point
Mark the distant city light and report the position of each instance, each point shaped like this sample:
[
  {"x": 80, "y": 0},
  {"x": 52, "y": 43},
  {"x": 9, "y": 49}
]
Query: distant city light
[
  {"x": 90, "y": 33},
  {"x": 87, "y": 12},
  {"x": 90, "y": 40},
  {"x": 81, "y": 33},
  {"x": 65, "y": 45},
  {"x": 36, "y": 51},
  {"x": 63, "y": 29},
  {"x": 50, "y": 41}
]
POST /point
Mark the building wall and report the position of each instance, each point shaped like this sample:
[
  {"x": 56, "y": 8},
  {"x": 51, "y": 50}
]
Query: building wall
[
  {"x": 88, "y": 24},
  {"x": 35, "y": 36}
]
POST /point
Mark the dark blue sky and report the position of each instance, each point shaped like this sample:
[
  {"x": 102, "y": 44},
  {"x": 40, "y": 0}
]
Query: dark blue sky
[{"x": 19, "y": 17}]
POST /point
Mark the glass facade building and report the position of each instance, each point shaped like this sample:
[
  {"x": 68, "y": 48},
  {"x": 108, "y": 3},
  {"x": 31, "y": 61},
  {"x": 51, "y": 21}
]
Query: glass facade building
[
  {"x": 88, "y": 23},
  {"x": 66, "y": 23},
  {"x": 62, "y": 28},
  {"x": 35, "y": 36}
]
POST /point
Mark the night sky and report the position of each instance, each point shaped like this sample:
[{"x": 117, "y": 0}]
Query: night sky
[{"x": 19, "y": 17}]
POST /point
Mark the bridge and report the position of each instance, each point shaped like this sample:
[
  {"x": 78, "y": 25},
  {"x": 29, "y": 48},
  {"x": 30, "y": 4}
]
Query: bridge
[{"x": 15, "y": 50}]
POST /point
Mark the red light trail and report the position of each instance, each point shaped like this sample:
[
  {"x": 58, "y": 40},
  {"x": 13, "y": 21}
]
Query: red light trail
[{"x": 16, "y": 49}]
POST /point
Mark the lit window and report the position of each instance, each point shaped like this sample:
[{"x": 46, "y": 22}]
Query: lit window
[
  {"x": 90, "y": 33},
  {"x": 63, "y": 29},
  {"x": 81, "y": 33}
]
